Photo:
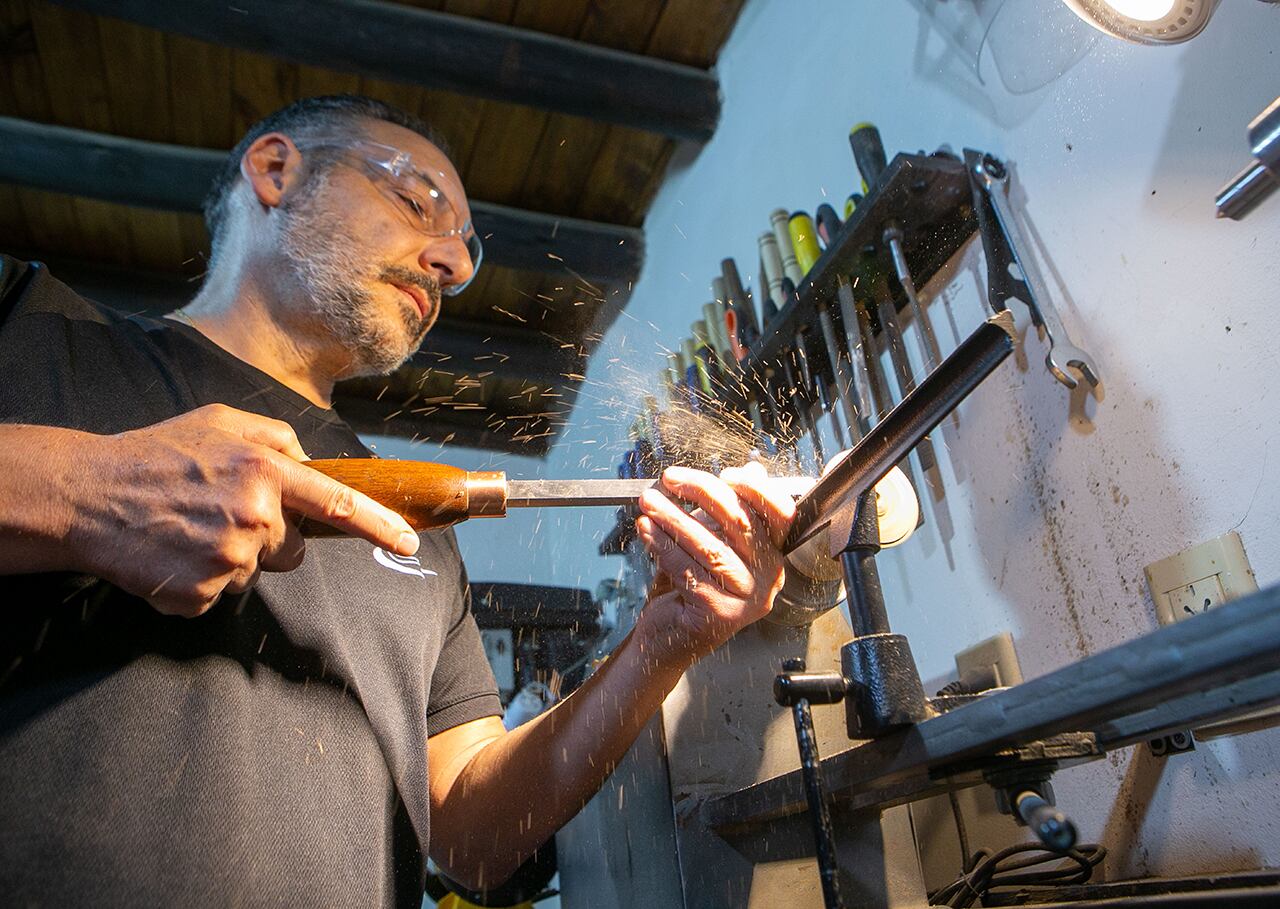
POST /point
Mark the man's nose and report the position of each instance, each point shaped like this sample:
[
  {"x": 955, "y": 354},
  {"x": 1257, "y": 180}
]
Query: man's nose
[{"x": 448, "y": 259}]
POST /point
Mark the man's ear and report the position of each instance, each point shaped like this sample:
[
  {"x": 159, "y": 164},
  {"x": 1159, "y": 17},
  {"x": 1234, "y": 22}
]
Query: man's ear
[{"x": 272, "y": 165}]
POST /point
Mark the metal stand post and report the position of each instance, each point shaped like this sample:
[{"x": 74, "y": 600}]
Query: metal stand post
[
  {"x": 885, "y": 691},
  {"x": 794, "y": 689}
]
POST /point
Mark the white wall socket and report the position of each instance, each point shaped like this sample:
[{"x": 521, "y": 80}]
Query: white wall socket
[
  {"x": 992, "y": 663},
  {"x": 1197, "y": 580},
  {"x": 1200, "y": 578}
]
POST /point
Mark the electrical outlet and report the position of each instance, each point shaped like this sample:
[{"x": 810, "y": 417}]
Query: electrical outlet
[
  {"x": 1194, "y": 581},
  {"x": 1173, "y": 743},
  {"x": 1197, "y": 597},
  {"x": 1200, "y": 578},
  {"x": 992, "y": 663}
]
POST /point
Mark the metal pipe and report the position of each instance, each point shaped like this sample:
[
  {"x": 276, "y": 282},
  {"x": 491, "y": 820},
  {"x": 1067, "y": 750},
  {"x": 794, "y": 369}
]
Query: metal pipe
[
  {"x": 1261, "y": 178},
  {"x": 904, "y": 426},
  {"x": 1243, "y": 194}
]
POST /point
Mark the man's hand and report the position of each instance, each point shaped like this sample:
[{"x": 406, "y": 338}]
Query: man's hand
[
  {"x": 180, "y": 512},
  {"x": 720, "y": 568}
]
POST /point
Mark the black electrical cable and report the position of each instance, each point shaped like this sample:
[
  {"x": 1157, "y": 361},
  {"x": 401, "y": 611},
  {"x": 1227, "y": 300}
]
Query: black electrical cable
[
  {"x": 985, "y": 871},
  {"x": 961, "y": 833}
]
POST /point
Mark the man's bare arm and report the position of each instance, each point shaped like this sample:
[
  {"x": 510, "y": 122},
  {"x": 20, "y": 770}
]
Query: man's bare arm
[
  {"x": 527, "y": 783},
  {"x": 175, "y": 513}
]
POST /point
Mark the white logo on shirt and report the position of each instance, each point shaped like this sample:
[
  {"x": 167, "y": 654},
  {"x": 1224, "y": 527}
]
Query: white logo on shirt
[{"x": 402, "y": 564}]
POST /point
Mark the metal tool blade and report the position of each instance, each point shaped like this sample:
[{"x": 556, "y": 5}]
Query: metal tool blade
[{"x": 586, "y": 493}]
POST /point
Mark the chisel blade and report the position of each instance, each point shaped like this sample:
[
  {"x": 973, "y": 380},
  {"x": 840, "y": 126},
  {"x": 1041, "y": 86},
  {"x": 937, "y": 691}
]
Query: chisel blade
[{"x": 586, "y": 493}]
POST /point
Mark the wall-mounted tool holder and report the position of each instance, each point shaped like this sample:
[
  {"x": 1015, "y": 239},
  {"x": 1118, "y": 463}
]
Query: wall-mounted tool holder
[{"x": 928, "y": 197}]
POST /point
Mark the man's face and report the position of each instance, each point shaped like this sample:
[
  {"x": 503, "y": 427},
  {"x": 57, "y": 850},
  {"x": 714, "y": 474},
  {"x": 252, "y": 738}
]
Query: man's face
[{"x": 371, "y": 278}]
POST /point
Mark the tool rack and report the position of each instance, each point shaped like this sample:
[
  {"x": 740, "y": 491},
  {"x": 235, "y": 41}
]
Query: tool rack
[{"x": 929, "y": 197}]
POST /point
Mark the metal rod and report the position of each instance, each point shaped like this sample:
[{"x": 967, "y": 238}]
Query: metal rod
[
  {"x": 893, "y": 236},
  {"x": 1243, "y": 194},
  {"x": 586, "y": 493},
  {"x": 904, "y": 426},
  {"x": 841, "y": 373},
  {"x": 867, "y": 611},
  {"x": 866, "y": 602},
  {"x": 816, "y": 796}
]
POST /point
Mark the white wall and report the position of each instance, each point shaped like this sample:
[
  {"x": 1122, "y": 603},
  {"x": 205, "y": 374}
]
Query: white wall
[{"x": 1052, "y": 502}]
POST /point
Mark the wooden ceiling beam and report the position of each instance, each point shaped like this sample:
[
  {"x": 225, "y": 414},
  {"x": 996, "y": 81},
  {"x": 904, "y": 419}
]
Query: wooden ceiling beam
[
  {"x": 455, "y": 347},
  {"x": 443, "y": 51},
  {"x": 176, "y": 178}
]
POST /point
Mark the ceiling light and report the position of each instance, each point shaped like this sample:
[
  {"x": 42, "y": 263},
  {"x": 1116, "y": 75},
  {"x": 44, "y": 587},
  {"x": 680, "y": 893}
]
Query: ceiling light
[
  {"x": 1145, "y": 10},
  {"x": 1146, "y": 21}
]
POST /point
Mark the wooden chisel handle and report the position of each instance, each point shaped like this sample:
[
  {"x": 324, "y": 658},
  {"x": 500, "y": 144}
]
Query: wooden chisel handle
[{"x": 427, "y": 495}]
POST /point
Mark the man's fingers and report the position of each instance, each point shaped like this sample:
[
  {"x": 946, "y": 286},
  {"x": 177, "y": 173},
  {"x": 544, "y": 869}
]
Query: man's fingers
[
  {"x": 685, "y": 571},
  {"x": 778, "y": 509},
  {"x": 671, "y": 529},
  {"x": 287, "y": 554},
  {"x": 242, "y": 581},
  {"x": 719, "y": 501},
  {"x": 252, "y": 427},
  {"x": 316, "y": 496}
]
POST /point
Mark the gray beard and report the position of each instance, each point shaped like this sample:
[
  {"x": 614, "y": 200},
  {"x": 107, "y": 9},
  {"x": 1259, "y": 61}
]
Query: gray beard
[{"x": 332, "y": 266}]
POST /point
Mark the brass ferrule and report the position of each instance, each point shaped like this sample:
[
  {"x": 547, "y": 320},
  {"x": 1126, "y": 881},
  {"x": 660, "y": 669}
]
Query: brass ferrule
[{"x": 486, "y": 493}]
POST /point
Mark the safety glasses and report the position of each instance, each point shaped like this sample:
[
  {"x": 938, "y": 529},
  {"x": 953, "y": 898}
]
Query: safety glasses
[{"x": 410, "y": 190}]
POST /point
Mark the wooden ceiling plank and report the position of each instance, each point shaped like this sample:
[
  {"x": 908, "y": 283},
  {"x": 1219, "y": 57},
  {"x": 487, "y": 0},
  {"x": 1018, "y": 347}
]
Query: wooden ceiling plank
[
  {"x": 314, "y": 82},
  {"x": 458, "y": 118},
  {"x": 200, "y": 98},
  {"x": 561, "y": 165},
  {"x": 260, "y": 85},
  {"x": 137, "y": 73},
  {"x": 498, "y": 163},
  {"x": 200, "y": 93},
  {"x": 69, "y": 42},
  {"x": 14, "y": 222},
  {"x": 444, "y": 51},
  {"x": 136, "y": 67},
  {"x": 176, "y": 178},
  {"x": 632, "y": 164},
  {"x": 15, "y": 231},
  {"x": 48, "y": 218},
  {"x": 693, "y": 31}
]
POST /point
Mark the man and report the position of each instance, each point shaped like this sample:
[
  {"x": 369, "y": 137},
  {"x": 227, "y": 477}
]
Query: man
[{"x": 194, "y": 706}]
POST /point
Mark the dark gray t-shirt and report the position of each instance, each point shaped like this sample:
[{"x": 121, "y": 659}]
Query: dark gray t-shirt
[{"x": 270, "y": 752}]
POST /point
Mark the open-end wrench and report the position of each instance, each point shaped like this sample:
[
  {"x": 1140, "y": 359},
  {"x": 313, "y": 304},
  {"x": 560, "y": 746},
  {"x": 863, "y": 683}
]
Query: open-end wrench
[{"x": 993, "y": 179}]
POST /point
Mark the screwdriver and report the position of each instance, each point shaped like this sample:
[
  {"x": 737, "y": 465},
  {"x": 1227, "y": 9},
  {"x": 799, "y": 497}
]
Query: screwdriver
[{"x": 430, "y": 495}]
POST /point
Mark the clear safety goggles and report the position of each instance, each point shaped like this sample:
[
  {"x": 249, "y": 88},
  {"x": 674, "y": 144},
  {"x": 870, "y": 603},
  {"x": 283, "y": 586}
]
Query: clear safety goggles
[{"x": 411, "y": 191}]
